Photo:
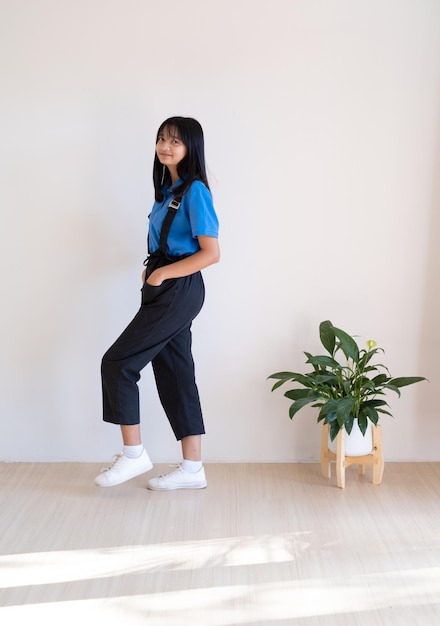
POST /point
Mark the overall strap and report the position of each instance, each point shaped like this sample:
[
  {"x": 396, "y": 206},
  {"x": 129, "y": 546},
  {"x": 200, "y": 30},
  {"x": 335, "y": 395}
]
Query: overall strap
[
  {"x": 166, "y": 225},
  {"x": 172, "y": 210}
]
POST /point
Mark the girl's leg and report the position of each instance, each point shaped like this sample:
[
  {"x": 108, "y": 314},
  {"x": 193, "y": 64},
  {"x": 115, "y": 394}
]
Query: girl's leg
[
  {"x": 131, "y": 435},
  {"x": 192, "y": 448},
  {"x": 157, "y": 322},
  {"x": 174, "y": 372},
  {"x": 153, "y": 328}
]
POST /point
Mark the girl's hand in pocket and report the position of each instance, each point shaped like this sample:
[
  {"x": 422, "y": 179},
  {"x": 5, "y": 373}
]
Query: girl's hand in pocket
[{"x": 155, "y": 279}]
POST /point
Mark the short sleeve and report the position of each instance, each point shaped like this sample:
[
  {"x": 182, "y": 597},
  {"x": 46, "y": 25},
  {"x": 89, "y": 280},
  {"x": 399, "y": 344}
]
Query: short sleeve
[{"x": 202, "y": 214}]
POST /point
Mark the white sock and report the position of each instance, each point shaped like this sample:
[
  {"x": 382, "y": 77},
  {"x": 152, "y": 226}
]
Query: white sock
[
  {"x": 133, "y": 452},
  {"x": 191, "y": 466}
]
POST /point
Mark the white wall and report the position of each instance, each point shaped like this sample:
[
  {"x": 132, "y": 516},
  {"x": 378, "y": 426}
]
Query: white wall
[{"x": 323, "y": 145}]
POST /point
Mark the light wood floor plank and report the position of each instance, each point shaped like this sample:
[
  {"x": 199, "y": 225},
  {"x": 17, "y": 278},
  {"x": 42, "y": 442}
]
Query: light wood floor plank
[{"x": 263, "y": 544}]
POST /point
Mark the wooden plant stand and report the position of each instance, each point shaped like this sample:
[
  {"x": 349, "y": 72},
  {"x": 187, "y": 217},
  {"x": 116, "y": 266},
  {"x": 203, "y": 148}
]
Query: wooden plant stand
[{"x": 375, "y": 458}]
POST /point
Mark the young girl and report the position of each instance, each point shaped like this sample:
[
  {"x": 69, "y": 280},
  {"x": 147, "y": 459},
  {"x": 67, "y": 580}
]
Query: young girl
[{"x": 182, "y": 240}]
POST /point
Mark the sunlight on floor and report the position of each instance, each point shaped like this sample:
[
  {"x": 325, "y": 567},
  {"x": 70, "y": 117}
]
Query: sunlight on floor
[
  {"x": 54, "y": 567},
  {"x": 241, "y": 604},
  {"x": 219, "y": 605}
]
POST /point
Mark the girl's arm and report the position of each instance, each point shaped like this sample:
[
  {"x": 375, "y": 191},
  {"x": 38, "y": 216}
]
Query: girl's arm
[{"x": 208, "y": 254}]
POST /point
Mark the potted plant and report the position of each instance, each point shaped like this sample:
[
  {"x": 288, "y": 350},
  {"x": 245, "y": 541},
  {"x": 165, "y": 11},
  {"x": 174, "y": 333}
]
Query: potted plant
[{"x": 347, "y": 390}]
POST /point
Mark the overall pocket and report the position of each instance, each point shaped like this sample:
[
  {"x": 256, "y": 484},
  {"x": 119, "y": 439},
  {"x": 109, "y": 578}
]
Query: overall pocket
[{"x": 151, "y": 292}]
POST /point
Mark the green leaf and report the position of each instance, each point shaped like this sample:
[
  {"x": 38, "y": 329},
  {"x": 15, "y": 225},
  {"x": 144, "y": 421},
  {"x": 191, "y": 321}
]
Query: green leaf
[
  {"x": 297, "y": 394},
  {"x": 329, "y": 407},
  {"x": 278, "y": 384},
  {"x": 373, "y": 415},
  {"x": 347, "y": 386},
  {"x": 369, "y": 413},
  {"x": 330, "y": 418},
  {"x": 327, "y": 336},
  {"x": 380, "y": 379},
  {"x": 367, "y": 368},
  {"x": 310, "y": 356},
  {"x": 326, "y": 379},
  {"x": 383, "y": 411},
  {"x": 362, "y": 380},
  {"x": 305, "y": 379},
  {"x": 392, "y": 388},
  {"x": 348, "y": 424},
  {"x": 406, "y": 380},
  {"x": 347, "y": 344},
  {"x": 374, "y": 403},
  {"x": 344, "y": 407},
  {"x": 369, "y": 385},
  {"x": 284, "y": 377},
  {"x": 363, "y": 423},
  {"x": 325, "y": 361},
  {"x": 366, "y": 355},
  {"x": 319, "y": 404},
  {"x": 299, "y": 404},
  {"x": 320, "y": 417},
  {"x": 334, "y": 430}
]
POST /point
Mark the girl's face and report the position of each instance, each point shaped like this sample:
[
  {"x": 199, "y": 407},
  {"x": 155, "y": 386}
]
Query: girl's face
[{"x": 170, "y": 149}]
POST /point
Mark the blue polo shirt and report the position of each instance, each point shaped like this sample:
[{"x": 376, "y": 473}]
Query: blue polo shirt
[{"x": 195, "y": 217}]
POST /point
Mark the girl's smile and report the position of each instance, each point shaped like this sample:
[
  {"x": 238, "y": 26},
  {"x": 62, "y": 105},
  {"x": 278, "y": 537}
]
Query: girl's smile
[{"x": 170, "y": 150}]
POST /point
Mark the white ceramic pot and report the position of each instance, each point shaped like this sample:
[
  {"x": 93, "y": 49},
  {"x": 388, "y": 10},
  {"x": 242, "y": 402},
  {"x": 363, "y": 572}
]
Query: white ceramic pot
[{"x": 356, "y": 444}]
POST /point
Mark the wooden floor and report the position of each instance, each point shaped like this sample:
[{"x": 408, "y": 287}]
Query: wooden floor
[{"x": 271, "y": 544}]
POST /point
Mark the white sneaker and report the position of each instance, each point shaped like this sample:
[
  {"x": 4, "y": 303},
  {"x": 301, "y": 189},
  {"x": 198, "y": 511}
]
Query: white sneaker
[
  {"x": 122, "y": 469},
  {"x": 179, "y": 479}
]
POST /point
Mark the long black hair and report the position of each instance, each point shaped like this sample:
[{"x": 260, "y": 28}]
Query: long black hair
[{"x": 192, "y": 166}]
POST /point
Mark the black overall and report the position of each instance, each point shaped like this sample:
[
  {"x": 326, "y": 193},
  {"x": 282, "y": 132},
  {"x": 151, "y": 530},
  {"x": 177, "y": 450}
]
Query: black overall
[{"x": 160, "y": 333}]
